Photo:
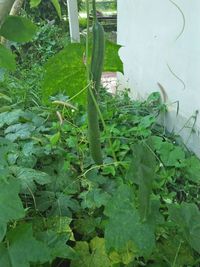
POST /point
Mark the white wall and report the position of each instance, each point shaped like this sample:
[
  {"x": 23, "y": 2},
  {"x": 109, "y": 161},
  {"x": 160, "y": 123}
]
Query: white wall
[{"x": 148, "y": 30}]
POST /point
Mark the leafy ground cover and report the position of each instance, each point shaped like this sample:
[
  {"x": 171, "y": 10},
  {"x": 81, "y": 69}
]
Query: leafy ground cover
[
  {"x": 140, "y": 207},
  {"x": 138, "y": 210}
]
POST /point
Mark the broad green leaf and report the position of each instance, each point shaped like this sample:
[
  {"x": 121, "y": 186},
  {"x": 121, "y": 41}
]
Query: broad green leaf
[
  {"x": 34, "y": 3},
  {"x": 57, "y": 244},
  {"x": 10, "y": 204},
  {"x": 171, "y": 155},
  {"x": 192, "y": 169},
  {"x": 57, "y": 7},
  {"x": 23, "y": 248},
  {"x": 95, "y": 198},
  {"x": 112, "y": 61},
  {"x": 8, "y": 118},
  {"x": 18, "y": 29},
  {"x": 7, "y": 59},
  {"x": 124, "y": 231},
  {"x": 142, "y": 172},
  {"x": 66, "y": 73},
  {"x": 19, "y": 131},
  {"x": 168, "y": 248},
  {"x": 92, "y": 254},
  {"x": 187, "y": 218},
  {"x": 28, "y": 177}
]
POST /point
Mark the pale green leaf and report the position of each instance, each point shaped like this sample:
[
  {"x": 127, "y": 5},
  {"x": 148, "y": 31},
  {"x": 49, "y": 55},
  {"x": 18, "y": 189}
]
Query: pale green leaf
[
  {"x": 66, "y": 73},
  {"x": 18, "y": 29},
  {"x": 92, "y": 254},
  {"x": 34, "y": 3},
  {"x": 57, "y": 7},
  {"x": 28, "y": 177},
  {"x": 112, "y": 61},
  {"x": 7, "y": 59}
]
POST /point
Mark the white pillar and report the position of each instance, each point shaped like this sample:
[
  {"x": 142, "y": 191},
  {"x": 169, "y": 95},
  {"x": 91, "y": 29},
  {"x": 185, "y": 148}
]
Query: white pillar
[{"x": 73, "y": 20}]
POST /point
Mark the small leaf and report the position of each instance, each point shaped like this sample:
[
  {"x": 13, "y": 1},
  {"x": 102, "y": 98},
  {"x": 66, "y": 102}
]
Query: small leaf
[
  {"x": 7, "y": 59},
  {"x": 57, "y": 7},
  {"x": 34, "y": 3},
  {"x": 54, "y": 138},
  {"x": 18, "y": 29}
]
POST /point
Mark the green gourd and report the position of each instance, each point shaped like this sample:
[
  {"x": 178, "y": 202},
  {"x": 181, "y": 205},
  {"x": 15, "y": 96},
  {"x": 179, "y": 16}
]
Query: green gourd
[{"x": 96, "y": 69}]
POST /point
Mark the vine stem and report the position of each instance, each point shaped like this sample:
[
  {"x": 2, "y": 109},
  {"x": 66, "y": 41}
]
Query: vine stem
[{"x": 87, "y": 41}]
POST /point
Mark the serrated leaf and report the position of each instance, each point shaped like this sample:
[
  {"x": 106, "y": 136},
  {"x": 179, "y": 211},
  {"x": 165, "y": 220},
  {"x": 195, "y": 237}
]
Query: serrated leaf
[
  {"x": 8, "y": 118},
  {"x": 7, "y": 59},
  {"x": 142, "y": 172},
  {"x": 97, "y": 257},
  {"x": 34, "y": 3},
  {"x": 23, "y": 248},
  {"x": 187, "y": 217},
  {"x": 28, "y": 177},
  {"x": 57, "y": 7},
  {"x": 10, "y": 204},
  {"x": 124, "y": 231},
  {"x": 66, "y": 72},
  {"x": 94, "y": 198},
  {"x": 57, "y": 245},
  {"x": 19, "y": 131},
  {"x": 192, "y": 169},
  {"x": 18, "y": 29}
]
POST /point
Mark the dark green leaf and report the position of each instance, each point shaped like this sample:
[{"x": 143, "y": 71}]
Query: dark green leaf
[
  {"x": 23, "y": 248},
  {"x": 10, "y": 204},
  {"x": 187, "y": 217},
  {"x": 124, "y": 231},
  {"x": 142, "y": 172}
]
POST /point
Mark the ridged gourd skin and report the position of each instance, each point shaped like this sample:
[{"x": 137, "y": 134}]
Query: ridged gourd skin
[{"x": 95, "y": 76}]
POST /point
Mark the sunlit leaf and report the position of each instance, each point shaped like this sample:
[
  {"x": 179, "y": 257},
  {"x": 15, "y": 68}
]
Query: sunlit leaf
[
  {"x": 18, "y": 29},
  {"x": 7, "y": 59}
]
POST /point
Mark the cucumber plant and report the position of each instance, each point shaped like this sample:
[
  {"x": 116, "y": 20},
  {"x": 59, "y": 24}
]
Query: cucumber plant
[{"x": 96, "y": 68}]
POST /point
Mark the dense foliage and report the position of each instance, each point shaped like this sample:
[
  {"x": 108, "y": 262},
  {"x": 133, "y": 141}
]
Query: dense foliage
[{"x": 140, "y": 207}]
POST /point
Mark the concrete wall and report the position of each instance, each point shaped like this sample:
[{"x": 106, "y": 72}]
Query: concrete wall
[{"x": 158, "y": 49}]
